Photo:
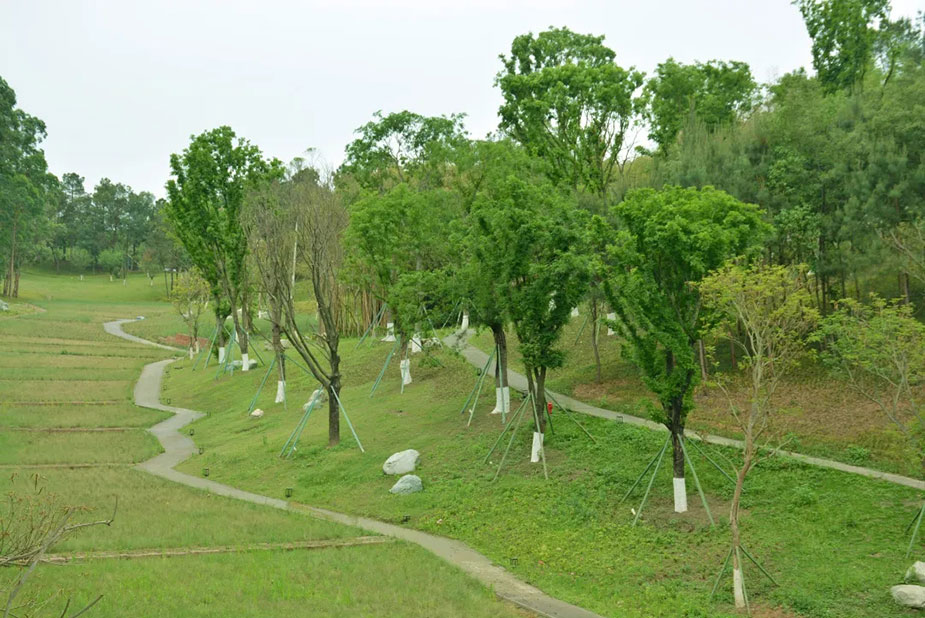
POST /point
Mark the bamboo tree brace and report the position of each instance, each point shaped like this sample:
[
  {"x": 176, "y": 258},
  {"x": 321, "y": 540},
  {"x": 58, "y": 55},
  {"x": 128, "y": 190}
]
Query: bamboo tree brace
[
  {"x": 389, "y": 332},
  {"x": 405, "y": 366},
  {"x": 680, "y": 495}
]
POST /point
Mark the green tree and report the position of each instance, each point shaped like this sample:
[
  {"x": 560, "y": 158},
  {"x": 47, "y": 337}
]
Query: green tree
[
  {"x": 189, "y": 296},
  {"x": 844, "y": 37},
  {"x": 26, "y": 187},
  {"x": 527, "y": 236},
  {"x": 669, "y": 241},
  {"x": 210, "y": 180},
  {"x": 716, "y": 93},
  {"x": 569, "y": 103}
]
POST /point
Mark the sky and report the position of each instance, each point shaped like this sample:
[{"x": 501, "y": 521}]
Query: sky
[{"x": 122, "y": 84}]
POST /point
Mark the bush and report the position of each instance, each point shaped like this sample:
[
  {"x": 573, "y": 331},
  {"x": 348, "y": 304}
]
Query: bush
[
  {"x": 110, "y": 261},
  {"x": 79, "y": 258}
]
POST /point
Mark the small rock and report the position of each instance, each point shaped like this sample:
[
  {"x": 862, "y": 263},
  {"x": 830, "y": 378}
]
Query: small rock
[
  {"x": 402, "y": 462},
  {"x": 4, "y": 306},
  {"x": 909, "y": 595},
  {"x": 257, "y": 413},
  {"x": 916, "y": 573},
  {"x": 408, "y": 484}
]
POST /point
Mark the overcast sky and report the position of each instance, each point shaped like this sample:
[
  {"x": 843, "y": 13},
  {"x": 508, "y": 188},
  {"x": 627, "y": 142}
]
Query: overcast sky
[{"x": 122, "y": 84}]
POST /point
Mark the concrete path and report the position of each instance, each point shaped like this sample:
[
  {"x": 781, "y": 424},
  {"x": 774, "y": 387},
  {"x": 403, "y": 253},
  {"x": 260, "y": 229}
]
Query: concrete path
[
  {"x": 518, "y": 382},
  {"x": 178, "y": 447}
]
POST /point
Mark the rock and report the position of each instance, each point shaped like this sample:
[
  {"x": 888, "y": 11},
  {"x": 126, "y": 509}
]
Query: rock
[
  {"x": 916, "y": 573},
  {"x": 257, "y": 413},
  {"x": 908, "y": 595},
  {"x": 402, "y": 463},
  {"x": 410, "y": 484},
  {"x": 4, "y": 306}
]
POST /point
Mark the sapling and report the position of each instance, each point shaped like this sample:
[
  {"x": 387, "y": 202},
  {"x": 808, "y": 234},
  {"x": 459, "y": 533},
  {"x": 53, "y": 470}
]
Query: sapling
[
  {"x": 190, "y": 296},
  {"x": 774, "y": 312}
]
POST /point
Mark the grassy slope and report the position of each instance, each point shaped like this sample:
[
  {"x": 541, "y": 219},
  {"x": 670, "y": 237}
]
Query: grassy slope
[
  {"x": 819, "y": 415},
  {"x": 54, "y": 359},
  {"x": 834, "y": 541}
]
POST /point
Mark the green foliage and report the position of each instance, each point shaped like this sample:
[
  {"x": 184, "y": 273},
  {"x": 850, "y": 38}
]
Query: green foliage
[
  {"x": 400, "y": 146},
  {"x": 111, "y": 261},
  {"x": 569, "y": 103},
  {"x": 843, "y": 38},
  {"x": 670, "y": 241},
  {"x": 526, "y": 237},
  {"x": 210, "y": 180},
  {"x": 879, "y": 350},
  {"x": 715, "y": 92}
]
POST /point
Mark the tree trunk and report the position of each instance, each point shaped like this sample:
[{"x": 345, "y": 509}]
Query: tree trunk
[
  {"x": 280, "y": 361},
  {"x": 8, "y": 289},
  {"x": 738, "y": 583},
  {"x": 220, "y": 341},
  {"x": 675, "y": 412},
  {"x": 595, "y": 331},
  {"x": 502, "y": 383},
  {"x": 242, "y": 339},
  {"x": 702, "y": 352},
  {"x": 333, "y": 398},
  {"x": 16, "y": 284}
]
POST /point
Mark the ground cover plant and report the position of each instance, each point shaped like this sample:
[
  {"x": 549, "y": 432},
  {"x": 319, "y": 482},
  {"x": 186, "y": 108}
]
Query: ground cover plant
[
  {"x": 155, "y": 514},
  {"x": 568, "y": 535}
]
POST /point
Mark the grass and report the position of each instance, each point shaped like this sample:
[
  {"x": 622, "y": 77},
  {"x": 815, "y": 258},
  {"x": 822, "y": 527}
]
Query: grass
[
  {"x": 59, "y": 359},
  {"x": 373, "y": 581},
  {"x": 819, "y": 416},
  {"x": 834, "y": 541}
]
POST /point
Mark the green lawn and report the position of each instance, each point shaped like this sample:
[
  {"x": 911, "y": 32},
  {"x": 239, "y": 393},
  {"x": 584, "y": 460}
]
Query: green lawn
[
  {"x": 834, "y": 541},
  {"x": 55, "y": 363}
]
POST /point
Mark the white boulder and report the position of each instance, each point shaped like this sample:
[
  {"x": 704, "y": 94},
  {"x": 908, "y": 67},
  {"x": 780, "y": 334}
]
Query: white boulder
[
  {"x": 257, "y": 413},
  {"x": 916, "y": 573},
  {"x": 402, "y": 462},
  {"x": 909, "y": 595},
  {"x": 408, "y": 484}
]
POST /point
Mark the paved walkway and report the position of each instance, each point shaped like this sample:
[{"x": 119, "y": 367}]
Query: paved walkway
[
  {"x": 178, "y": 447},
  {"x": 518, "y": 382}
]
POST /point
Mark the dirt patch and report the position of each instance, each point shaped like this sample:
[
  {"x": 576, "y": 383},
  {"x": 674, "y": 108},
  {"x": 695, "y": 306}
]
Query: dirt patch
[{"x": 182, "y": 341}]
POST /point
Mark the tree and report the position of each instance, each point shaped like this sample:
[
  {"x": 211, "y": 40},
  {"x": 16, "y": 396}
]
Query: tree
[
  {"x": 210, "y": 180},
  {"x": 304, "y": 210},
  {"x": 843, "y": 37},
  {"x": 767, "y": 308},
  {"x": 670, "y": 240},
  {"x": 33, "y": 522},
  {"x": 879, "y": 351},
  {"x": 190, "y": 296},
  {"x": 26, "y": 187},
  {"x": 527, "y": 235},
  {"x": 715, "y": 92},
  {"x": 569, "y": 103}
]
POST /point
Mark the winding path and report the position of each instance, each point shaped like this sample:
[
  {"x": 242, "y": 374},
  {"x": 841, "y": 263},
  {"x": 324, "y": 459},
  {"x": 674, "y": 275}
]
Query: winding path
[
  {"x": 178, "y": 447},
  {"x": 478, "y": 358}
]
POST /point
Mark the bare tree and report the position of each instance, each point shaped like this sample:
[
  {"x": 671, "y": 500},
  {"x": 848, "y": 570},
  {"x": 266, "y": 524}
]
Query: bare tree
[
  {"x": 773, "y": 308},
  {"x": 303, "y": 211},
  {"x": 31, "y": 524}
]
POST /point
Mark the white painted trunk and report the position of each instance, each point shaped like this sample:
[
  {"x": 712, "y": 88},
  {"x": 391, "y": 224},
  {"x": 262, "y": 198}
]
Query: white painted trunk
[
  {"x": 575, "y": 313},
  {"x": 680, "y": 496},
  {"x": 405, "y": 372},
  {"x": 123, "y": 282},
  {"x": 280, "y": 391},
  {"x": 389, "y": 332},
  {"x": 191, "y": 353},
  {"x": 110, "y": 278},
  {"x": 738, "y": 587},
  {"x": 537, "y": 449},
  {"x": 221, "y": 354},
  {"x": 611, "y": 316},
  {"x": 245, "y": 362},
  {"x": 465, "y": 322},
  {"x": 416, "y": 345},
  {"x": 502, "y": 400}
]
